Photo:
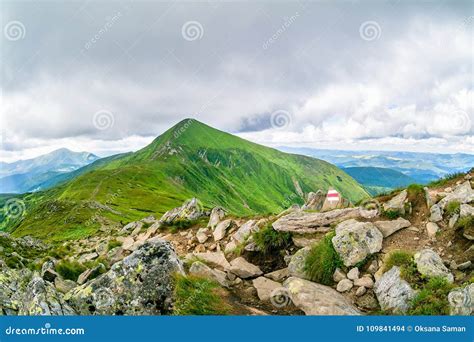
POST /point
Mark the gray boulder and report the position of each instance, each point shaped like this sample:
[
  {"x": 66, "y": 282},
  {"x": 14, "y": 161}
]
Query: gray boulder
[
  {"x": 221, "y": 229},
  {"x": 462, "y": 193},
  {"x": 317, "y": 299},
  {"x": 140, "y": 284},
  {"x": 397, "y": 203},
  {"x": 265, "y": 287},
  {"x": 307, "y": 222},
  {"x": 190, "y": 210},
  {"x": 201, "y": 269},
  {"x": 393, "y": 293},
  {"x": 314, "y": 201},
  {"x": 354, "y": 241},
  {"x": 297, "y": 263},
  {"x": 387, "y": 228},
  {"x": 436, "y": 213},
  {"x": 217, "y": 215},
  {"x": 244, "y": 231},
  {"x": 466, "y": 210},
  {"x": 430, "y": 264},
  {"x": 244, "y": 269},
  {"x": 461, "y": 301}
]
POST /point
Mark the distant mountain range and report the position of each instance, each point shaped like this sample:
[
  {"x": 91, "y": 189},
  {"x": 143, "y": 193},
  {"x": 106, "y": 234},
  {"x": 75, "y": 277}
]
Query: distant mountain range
[
  {"x": 378, "y": 180},
  {"x": 421, "y": 167},
  {"x": 31, "y": 174},
  {"x": 189, "y": 160}
]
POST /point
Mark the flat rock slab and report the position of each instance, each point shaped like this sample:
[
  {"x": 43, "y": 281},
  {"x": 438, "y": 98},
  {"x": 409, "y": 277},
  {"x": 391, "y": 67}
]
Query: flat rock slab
[
  {"x": 317, "y": 299},
  {"x": 387, "y": 228},
  {"x": 265, "y": 287},
  {"x": 302, "y": 223},
  {"x": 244, "y": 269},
  {"x": 215, "y": 259},
  {"x": 430, "y": 264},
  {"x": 393, "y": 293}
]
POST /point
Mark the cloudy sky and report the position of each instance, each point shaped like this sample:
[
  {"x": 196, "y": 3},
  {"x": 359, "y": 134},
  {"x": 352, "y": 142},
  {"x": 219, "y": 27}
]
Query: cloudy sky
[{"x": 108, "y": 77}]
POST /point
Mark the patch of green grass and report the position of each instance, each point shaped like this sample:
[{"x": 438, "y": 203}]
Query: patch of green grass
[
  {"x": 391, "y": 214},
  {"x": 70, "y": 269},
  {"x": 268, "y": 240},
  {"x": 322, "y": 261},
  {"x": 198, "y": 296},
  {"x": 415, "y": 190},
  {"x": 466, "y": 223},
  {"x": 445, "y": 179},
  {"x": 178, "y": 225},
  {"x": 112, "y": 244},
  {"x": 452, "y": 208},
  {"x": 432, "y": 299},
  {"x": 404, "y": 260}
]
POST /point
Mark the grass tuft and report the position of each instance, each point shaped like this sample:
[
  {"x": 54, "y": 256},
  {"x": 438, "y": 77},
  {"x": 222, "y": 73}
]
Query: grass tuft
[
  {"x": 404, "y": 260},
  {"x": 268, "y": 240},
  {"x": 198, "y": 296},
  {"x": 322, "y": 261},
  {"x": 432, "y": 299}
]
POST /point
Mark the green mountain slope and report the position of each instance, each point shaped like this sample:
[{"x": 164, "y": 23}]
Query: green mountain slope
[
  {"x": 189, "y": 160},
  {"x": 378, "y": 179}
]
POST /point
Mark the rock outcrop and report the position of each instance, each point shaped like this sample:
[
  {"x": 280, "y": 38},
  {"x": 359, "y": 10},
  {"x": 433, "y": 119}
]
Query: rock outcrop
[
  {"x": 387, "y": 228},
  {"x": 461, "y": 301},
  {"x": 140, "y": 284},
  {"x": 397, "y": 203},
  {"x": 191, "y": 210}
]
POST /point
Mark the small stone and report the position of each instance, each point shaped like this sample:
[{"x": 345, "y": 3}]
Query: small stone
[
  {"x": 365, "y": 281},
  {"x": 201, "y": 235},
  {"x": 278, "y": 275},
  {"x": 344, "y": 285},
  {"x": 265, "y": 287},
  {"x": 353, "y": 274},
  {"x": 361, "y": 291},
  {"x": 373, "y": 267},
  {"x": 432, "y": 228},
  {"x": 465, "y": 265},
  {"x": 200, "y": 249},
  {"x": 338, "y": 275}
]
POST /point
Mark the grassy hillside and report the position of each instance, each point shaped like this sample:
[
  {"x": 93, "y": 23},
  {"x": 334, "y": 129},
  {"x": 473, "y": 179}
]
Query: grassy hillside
[
  {"x": 378, "y": 179},
  {"x": 189, "y": 160}
]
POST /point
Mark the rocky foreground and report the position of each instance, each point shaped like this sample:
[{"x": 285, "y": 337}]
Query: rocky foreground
[{"x": 384, "y": 256}]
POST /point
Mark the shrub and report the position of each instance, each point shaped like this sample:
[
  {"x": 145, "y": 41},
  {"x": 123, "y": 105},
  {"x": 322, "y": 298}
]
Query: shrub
[
  {"x": 322, "y": 261},
  {"x": 112, "y": 244},
  {"x": 404, "y": 260},
  {"x": 453, "y": 208},
  {"x": 269, "y": 240},
  {"x": 179, "y": 225},
  {"x": 432, "y": 299},
  {"x": 198, "y": 296},
  {"x": 70, "y": 269}
]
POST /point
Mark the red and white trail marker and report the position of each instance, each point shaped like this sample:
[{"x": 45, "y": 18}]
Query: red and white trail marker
[{"x": 332, "y": 196}]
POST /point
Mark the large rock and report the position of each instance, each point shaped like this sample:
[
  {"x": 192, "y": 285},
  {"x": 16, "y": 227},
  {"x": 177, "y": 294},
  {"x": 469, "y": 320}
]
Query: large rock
[
  {"x": 387, "y": 228},
  {"x": 303, "y": 222},
  {"x": 397, "y": 203},
  {"x": 42, "y": 299},
  {"x": 314, "y": 201},
  {"x": 265, "y": 287},
  {"x": 317, "y": 299},
  {"x": 191, "y": 210},
  {"x": 244, "y": 269},
  {"x": 463, "y": 193},
  {"x": 48, "y": 272},
  {"x": 461, "y": 301},
  {"x": 393, "y": 293},
  {"x": 214, "y": 259},
  {"x": 297, "y": 263},
  {"x": 217, "y": 215},
  {"x": 201, "y": 269},
  {"x": 278, "y": 275},
  {"x": 354, "y": 241},
  {"x": 140, "y": 284},
  {"x": 244, "y": 231},
  {"x": 466, "y": 210},
  {"x": 221, "y": 229},
  {"x": 436, "y": 213},
  {"x": 430, "y": 264},
  {"x": 202, "y": 235}
]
